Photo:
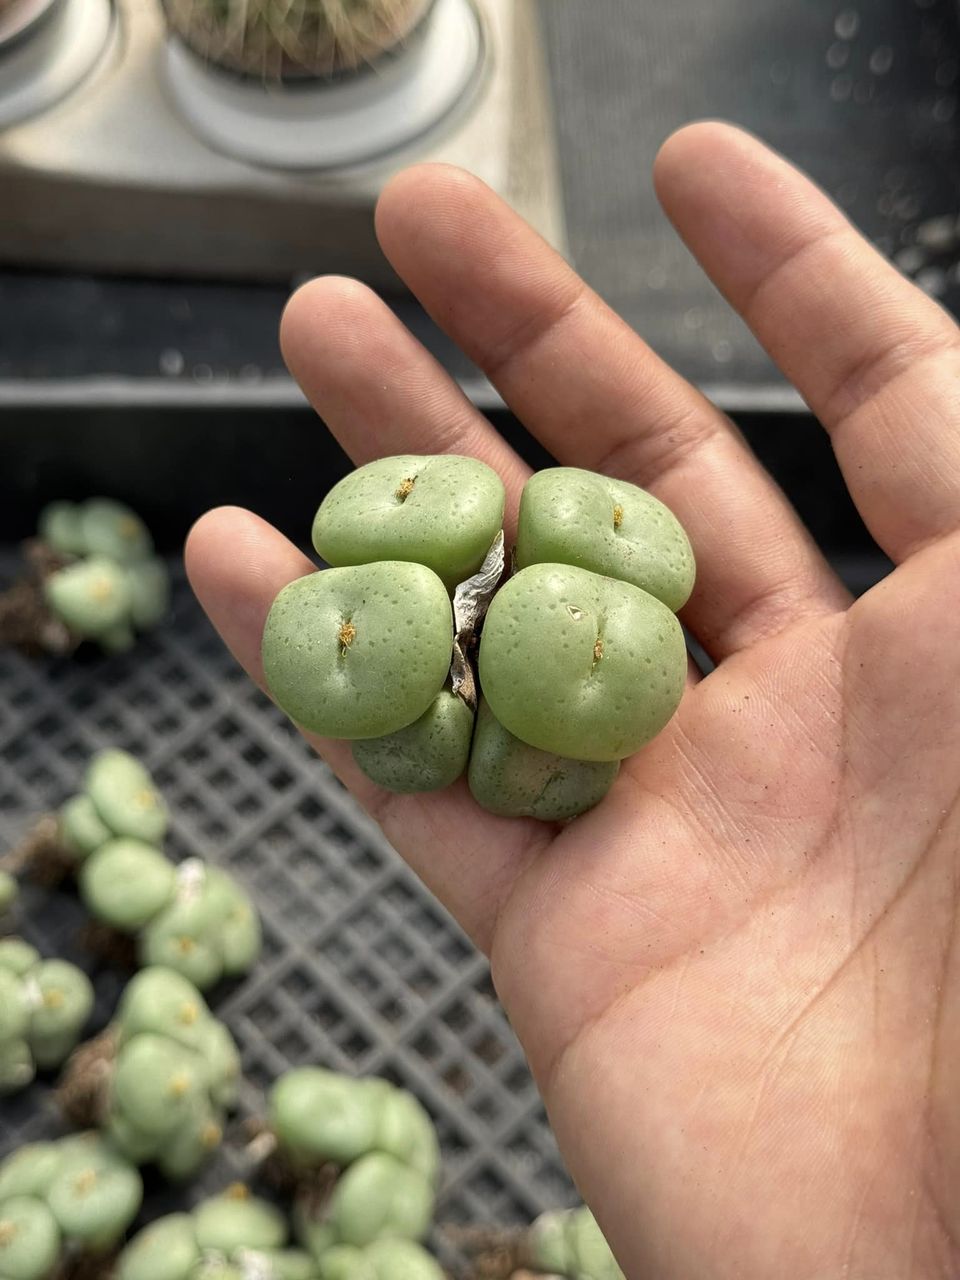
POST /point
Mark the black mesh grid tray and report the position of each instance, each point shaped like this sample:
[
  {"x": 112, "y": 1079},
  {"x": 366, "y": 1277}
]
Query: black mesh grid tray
[{"x": 362, "y": 971}]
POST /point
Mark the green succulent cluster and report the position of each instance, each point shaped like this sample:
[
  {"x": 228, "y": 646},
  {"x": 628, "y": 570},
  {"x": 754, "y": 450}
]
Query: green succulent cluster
[
  {"x": 193, "y": 918},
  {"x": 382, "y": 1141},
  {"x": 114, "y": 585},
  {"x": 234, "y": 1236},
  {"x": 44, "y": 1006},
  {"x": 581, "y": 660},
  {"x": 569, "y": 1243},
  {"x": 174, "y": 1075},
  {"x": 58, "y": 1199}
]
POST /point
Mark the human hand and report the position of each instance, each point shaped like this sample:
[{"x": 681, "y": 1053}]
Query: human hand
[{"x": 736, "y": 979}]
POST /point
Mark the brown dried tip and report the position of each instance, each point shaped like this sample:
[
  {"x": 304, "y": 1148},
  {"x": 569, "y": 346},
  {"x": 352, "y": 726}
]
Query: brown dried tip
[
  {"x": 494, "y": 1253},
  {"x": 405, "y": 488},
  {"x": 598, "y": 650},
  {"x": 40, "y": 853},
  {"x": 119, "y": 950},
  {"x": 25, "y": 621},
  {"x": 86, "y": 1266},
  {"x": 617, "y": 516},
  {"x": 84, "y": 1089},
  {"x": 346, "y": 636}
]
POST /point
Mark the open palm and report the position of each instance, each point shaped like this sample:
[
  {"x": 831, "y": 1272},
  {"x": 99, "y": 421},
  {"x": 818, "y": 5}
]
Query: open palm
[{"x": 736, "y": 979}]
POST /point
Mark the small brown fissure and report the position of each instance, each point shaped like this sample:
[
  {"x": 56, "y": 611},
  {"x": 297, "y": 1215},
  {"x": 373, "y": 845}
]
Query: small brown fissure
[
  {"x": 405, "y": 488},
  {"x": 617, "y": 516},
  {"x": 346, "y": 636},
  {"x": 597, "y": 650}
]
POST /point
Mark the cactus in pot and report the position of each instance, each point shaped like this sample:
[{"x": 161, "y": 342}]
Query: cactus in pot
[{"x": 293, "y": 39}]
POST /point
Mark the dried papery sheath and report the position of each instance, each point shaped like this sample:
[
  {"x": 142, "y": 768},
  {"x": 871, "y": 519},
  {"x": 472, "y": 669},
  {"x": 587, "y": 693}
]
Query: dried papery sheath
[{"x": 470, "y": 603}]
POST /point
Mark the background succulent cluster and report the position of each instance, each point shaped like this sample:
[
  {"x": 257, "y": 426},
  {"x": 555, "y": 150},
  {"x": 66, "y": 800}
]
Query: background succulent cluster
[
  {"x": 111, "y": 583},
  {"x": 193, "y": 918},
  {"x": 58, "y": 1199},
  {"x": 165, "y": 1076},
  {"x": 44, "y": 1007}
]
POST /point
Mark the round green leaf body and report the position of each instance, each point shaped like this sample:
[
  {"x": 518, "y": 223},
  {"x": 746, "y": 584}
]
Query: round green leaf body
[
  {"x": 443, "y": 512},
  {"x": 157, "y": 1083},
  {"x": 29, "y": 1171},
  {"x": 241, "y": 937},
  {"x": 428, "y": 755},
  {"x": 165, "y": 1250},
  {"x": 126, "y": 883},
  {"x": 90, "y": 597},
  {"x": 149, "y": 584},
  {"x": 569, "y": 1242},
  {"x": 163, "y": 1001},
  {"x": 65, "y": 1004},
  {"x": 359, "y": 652},
  {"x": 345, "y": 1262},
  {"x": 29, "y": 1239},
  {"x": 118, "y": 639},
  {"x": 185, "y": 937},
  {"x": 192, "y": 1143},
  {"x": 227, "y": 1223},
  {"x": 377, "y": 1197},
  {"x": 17, "y": 1067},
  {"x": 579, "y": 665},
  {"x": 514, "y": 780},
  {"x": 569, "y": 516},
  {"x": 223, "y": 1064},
  {"x": 60, "y": 528},
  {"x": 113, "y": 530},
  {"x": 318, "y": 1116},
  {"x": 95, "y": 1205},
  {"x": 125, "y": 798},
  {"x": 18, "y": 956},
  {"x": 401, "y": 1260},
  {"x": 9, "y": 891},
  {"x": 406, "y": 1131},
  {"x": 129, "y": 1141},
  {"x": 14, "y": 1007},
  {"x": 82, "y": 830}
]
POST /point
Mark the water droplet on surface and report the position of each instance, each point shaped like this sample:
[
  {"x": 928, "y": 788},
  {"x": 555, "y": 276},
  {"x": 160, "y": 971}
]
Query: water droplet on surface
[
  {"x": 202, "y": 373},
  {"x": 171, "y": 362},
  {"x": 656, "y": 278},
  {"x": 841, "y": 88},
  {"x": 907, "y": 208},
  {"x": 693, "y": 319},
  {"x": 838, "y": 55},
  {"x": 944, "y": 109},
  {"x": 847, "y": 24},
  {"x": 881, "y": 60},
  {"x": 722, "y": 351}
]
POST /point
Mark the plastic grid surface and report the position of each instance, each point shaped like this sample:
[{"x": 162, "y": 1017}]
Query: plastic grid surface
[{"x": 362, "y": 971}]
